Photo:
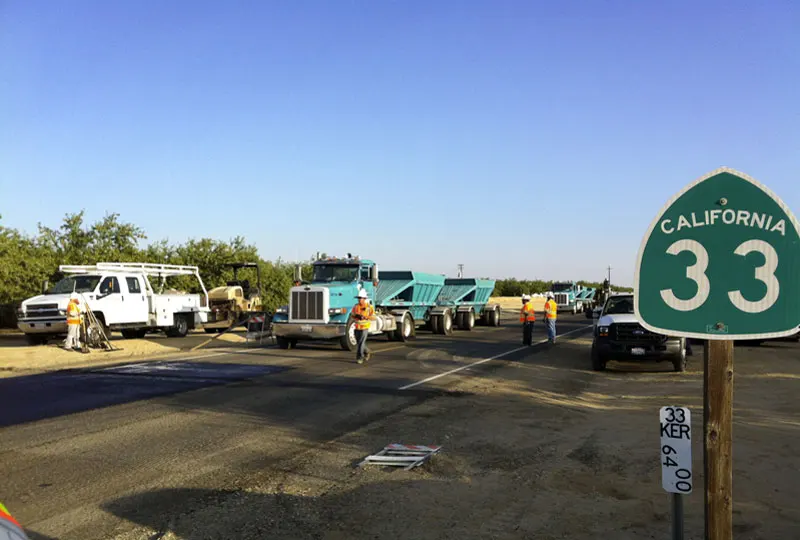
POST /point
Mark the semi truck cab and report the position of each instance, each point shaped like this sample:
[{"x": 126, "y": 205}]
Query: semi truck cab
[{"x": 320, "y": 309}]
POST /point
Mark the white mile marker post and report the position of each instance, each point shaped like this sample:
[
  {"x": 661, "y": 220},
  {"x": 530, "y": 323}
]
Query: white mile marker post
[{"x": 676, "y": 460}]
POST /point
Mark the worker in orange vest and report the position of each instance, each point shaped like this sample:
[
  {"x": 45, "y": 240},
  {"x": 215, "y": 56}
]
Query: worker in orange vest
[
  {"x": 550, "y": 314},
  {"x": 527, "y": 317},
  {"x": 363, "y": 313},
  {"x": 10, "y": 529},
  {"x": 73, "y": 323}
]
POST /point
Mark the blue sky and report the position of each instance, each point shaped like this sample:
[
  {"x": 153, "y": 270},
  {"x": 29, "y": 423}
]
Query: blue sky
[{"x": 520, "y": 138}]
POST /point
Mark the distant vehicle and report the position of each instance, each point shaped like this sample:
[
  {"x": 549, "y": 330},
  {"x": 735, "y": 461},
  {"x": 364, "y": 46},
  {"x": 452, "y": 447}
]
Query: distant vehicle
[
  {"x": 403, "y": 300},
  {"x": 121, "y": 297},
  {"x": 619, "y": 336},
  {"x": 571, "y": 297}
]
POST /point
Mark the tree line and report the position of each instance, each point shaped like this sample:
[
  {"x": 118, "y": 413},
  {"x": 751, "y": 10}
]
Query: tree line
[
  {"x": 28, "y": 261},
  {"x": 515, "y": 287}
]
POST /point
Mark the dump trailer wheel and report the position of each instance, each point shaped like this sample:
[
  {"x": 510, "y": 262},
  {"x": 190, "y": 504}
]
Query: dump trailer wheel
[
  {"x": 446, "y": 324},
  {"x": 436, "y": 323},
  {"x": 494, "y": 317},
  {"x": 348, "y": 340},
  {"x": 405, "y": 330},
  {"x": 468, "y": 320},
  {"x": 459, "y": 322}
]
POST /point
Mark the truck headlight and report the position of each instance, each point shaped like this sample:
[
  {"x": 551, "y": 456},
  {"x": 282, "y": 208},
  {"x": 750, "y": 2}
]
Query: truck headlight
[
  {"x": 282, "y": 309},
  {"x": 62, "y": 311},
  {"x": 602, "y": 331},
  {"x": 337, "y": 311}
]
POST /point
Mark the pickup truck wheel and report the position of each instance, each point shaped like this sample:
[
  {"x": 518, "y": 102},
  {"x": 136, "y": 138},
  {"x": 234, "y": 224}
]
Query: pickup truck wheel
[
  {"x": 348, "y": 340},
  {"x": 36, "y": 339},
  {"x": 405, "y": 330},
  {"x": 180, "y": 328},
  {"x": 679, "y": 361},
  {"x": 598, "y": 362}
]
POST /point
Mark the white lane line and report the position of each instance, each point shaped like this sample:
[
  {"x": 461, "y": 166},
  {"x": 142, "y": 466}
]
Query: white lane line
[{"x": 456, "y": 370}]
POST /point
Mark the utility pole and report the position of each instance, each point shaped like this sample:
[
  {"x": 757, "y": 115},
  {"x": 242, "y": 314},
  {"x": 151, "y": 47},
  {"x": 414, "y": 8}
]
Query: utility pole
[{"x": 460, "y": 271}]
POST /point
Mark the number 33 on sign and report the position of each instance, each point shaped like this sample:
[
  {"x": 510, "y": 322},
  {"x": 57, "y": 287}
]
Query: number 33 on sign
[{"x": 676, "y": 449}]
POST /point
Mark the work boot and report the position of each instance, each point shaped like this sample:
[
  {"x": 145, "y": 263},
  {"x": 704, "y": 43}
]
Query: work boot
[{"x": 359, "y": 360}]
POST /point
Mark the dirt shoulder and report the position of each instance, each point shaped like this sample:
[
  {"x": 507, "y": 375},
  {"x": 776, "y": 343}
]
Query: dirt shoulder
[
  {"x": 542, "y": 448},
  {"x": 19, "y": 358}
]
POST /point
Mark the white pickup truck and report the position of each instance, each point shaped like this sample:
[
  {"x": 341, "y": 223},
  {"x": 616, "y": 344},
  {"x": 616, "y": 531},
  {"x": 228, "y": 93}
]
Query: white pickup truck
[{"x": 121, "y": 297}]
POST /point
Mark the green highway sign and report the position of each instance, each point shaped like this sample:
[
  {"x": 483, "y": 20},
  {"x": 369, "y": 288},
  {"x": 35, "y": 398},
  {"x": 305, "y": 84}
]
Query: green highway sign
[{"x": 721, "y": 261}]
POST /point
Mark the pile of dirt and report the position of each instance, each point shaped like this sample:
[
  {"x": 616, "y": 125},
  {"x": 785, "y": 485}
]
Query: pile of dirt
[{"x": 17, "y": 357}]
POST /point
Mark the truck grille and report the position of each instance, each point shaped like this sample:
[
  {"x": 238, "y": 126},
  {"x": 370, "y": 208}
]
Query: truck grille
[
  {"x": 561, "y": 298},
  {"x": 307, "y": 305},
  {"x": 633, "y": 332},
  {"x": 42, "y": 310}
]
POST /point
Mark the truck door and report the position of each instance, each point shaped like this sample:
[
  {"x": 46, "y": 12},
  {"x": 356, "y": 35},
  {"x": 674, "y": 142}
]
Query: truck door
[
  {"x": 109, "y": 301},
  {"x": 135, "y": 301}
]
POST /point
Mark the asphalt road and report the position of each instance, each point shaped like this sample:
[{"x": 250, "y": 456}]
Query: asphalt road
[{"x": 73, "y": 441}]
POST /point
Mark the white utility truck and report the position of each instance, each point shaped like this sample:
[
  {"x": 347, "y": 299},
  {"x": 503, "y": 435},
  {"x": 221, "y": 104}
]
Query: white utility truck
[{"x": 121, "y": 297}]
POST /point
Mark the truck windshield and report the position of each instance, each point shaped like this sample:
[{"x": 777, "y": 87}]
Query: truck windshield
[
  {"x": 335, "y": 272},
  {"x": 562, "y": 287},
  {"x": 620, "y": 305},
  {"x": 81, "y": 284}
]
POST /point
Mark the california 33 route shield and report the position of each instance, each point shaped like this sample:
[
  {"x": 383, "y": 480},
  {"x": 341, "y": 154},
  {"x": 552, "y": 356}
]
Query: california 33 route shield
[{"x": 721, "y": 261}]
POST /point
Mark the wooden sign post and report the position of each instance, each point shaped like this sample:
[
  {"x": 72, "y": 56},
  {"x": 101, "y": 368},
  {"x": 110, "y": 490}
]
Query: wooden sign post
[{"x": 718, "y": 439}]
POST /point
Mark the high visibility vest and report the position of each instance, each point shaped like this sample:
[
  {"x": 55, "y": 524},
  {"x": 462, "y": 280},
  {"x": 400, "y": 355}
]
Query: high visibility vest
[
  {"x": 367, "y": 311},
  {"x": 73, "y": 312},
  {"x": 550, "y": 309},
  {"x": 527, "y": 314},
  {"x": 10, "y": 526}
]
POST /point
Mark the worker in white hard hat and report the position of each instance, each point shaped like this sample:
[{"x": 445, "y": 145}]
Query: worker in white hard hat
[
  {"x": 527, "y": 317},
  {"x": 550, "y": 314},
  {"x": 363, "y": 313},
  {"x": 73, "y": 323}
]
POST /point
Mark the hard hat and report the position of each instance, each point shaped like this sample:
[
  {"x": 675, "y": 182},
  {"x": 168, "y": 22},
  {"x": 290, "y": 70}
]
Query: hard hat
[
  {"x": 526, "y": 297},
  {"x": 74, "y": 296},
  {"x": 550, "y": 295},
  {"x": 362, "y": 294}
]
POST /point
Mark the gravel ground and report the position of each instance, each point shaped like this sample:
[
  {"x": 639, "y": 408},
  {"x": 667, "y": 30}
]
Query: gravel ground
[{"x": 540, "y": 449}]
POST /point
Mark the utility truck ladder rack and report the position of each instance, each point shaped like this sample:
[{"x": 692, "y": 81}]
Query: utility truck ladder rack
[{"x": 149, "y": 269}]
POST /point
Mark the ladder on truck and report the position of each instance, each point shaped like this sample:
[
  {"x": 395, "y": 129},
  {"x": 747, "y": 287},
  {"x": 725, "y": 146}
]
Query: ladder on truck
[{"x": 148, "y": 269}]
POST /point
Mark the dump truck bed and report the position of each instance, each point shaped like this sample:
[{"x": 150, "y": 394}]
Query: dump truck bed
[
  {"x": 466, "y": 291},
  {"x": 405, "y": 289}
]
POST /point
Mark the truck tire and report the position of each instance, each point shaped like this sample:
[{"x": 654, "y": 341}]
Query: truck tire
[
  {"x": 102, "y": 320},
  {"x": 679, "y": 360},
  {"x": 467, "y": 321},
  {"x": 405, "y": 329},
  {"x": 36, "y": 339},
  {"x": 180, "y": 328},
  {"x": 494, "y": 317},
  {"x": 446, "y": 323},
  {"x": 435, "y": 322},
  {"x": 459, "y": 320},
  {"x": 598, "y": 362},
  {"x": 348, "y": 340}
]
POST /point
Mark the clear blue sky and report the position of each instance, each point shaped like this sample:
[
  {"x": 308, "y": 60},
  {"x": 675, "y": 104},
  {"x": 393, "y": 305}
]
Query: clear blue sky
[{"x": 524, "y": 138}]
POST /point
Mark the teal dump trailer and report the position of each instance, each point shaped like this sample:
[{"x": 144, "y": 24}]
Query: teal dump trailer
[{"x": 464, "y": 302}]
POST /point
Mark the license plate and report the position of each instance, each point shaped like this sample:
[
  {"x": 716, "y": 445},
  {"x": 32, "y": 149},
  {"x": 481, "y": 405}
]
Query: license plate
[
  {"x": 637, "y": 351},
  {"x": 305, "y": 328}
]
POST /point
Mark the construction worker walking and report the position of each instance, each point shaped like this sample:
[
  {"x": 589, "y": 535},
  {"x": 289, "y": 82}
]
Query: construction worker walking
[
  {"x": 527, "y": 317},
  {"x": 10, "y": 529},
  {"x": 550, "y": 314},
  {"x": 73, "y": 323},
  {"x": 363, "y": 313}
]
